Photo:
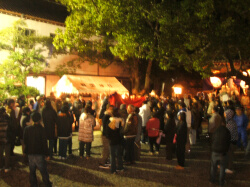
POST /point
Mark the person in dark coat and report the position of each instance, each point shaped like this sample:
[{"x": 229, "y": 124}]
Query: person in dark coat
[
  {"x": 220, "y": 146},
  {"x": 13, "y": 120},
  {"x": 7, "y": 132},
  {"x": 123, "y": 112},
  {"x": 36, "y": 148},
  {"x": 169, "y": 131},
  {"x": 49, "y": 117},
  {"x": 115, "y": 141},
  {"x": 130, "y": 132},
  {"x": 76, "y": 109},
  {"x": 103, "y": 108},
  {"x": 160, "y": 114},
  {"x": 181, "y": 140},
  {"x": 105, "y": 141},
  {"x": 64, "y": 130},
  {"x": 24, "y": 122}
]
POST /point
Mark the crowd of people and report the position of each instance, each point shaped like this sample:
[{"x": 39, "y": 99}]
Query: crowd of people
[{"x": 174, "y": 122}]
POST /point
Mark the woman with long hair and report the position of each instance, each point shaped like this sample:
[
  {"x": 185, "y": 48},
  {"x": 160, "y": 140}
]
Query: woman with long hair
[{"x": 181, "y": 139}]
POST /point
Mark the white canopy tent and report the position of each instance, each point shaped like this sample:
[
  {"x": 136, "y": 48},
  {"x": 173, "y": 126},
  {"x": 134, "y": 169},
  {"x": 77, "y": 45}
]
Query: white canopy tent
[{"x": 77, "y": 84}]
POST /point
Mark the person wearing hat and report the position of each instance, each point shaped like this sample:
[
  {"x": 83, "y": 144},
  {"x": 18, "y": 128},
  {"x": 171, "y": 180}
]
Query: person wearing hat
[
  {"x": 242, "y": 122},
  {"x": 36, "y": 148}
]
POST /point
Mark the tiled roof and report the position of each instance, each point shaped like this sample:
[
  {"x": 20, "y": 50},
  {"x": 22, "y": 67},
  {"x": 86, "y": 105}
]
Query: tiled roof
[{"x": 44, "y": 9}]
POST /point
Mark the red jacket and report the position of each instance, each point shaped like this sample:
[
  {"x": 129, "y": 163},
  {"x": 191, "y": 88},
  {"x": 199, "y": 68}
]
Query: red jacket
[{"x": 153, "y": 126}]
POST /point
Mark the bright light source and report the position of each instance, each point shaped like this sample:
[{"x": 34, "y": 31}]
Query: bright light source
[
  {"x": 216, "y": 82},
  {"x": 248, "y": 71},
  {"x": 243, "y": 84},
  {"x": 244, "y": 73},
  {"x": 36, "y": 82},
  {"x": 215, "y": 71},
  {"x": 123, "y": 96},
  {"x": 64, "y": 86},
  {"x": 177, "y": 90},
  {"x": 152, "y": 93}
]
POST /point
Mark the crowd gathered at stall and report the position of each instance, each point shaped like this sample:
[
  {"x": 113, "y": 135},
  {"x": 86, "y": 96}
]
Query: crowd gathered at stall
[{"x": 40, "y": 125}]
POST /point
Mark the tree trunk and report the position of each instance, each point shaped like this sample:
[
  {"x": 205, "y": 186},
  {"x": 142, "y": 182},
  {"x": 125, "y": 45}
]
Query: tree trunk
[
  {"x": 136, "y": 77},
  {"x": 147, "y": 78}
]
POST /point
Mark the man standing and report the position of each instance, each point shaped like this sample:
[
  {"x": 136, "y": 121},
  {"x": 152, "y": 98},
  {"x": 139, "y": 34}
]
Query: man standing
[
  {"x": 220, "y": 146},
  {"x": 214, "y": 122},
  {"x": 36, "y": 148},
  {"x": 6, "y": 134},
  {"x": 13, "y": 123},
  {"x": 130, "y": 132},
  {"x": 145, "y": 114},
  {"x": 49, "y": 117},
  {"x": 242, "y": 122},
  {"x": 105, "y": 141}
]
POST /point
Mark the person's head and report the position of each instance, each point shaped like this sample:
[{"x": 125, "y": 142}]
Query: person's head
[
  {"x": 215, "y": 109},
  {"x": 116, "y": 112},
  {"x": 89, "y": 103},
  {"x": 195, "y": 106},
  {"x": 110, "y": 108},
  {"x": 36, "y": 117},
  {"x": 159, "y": 104},
  {"x": 65, "y": 109},
  {"x": 229, "y": 114},
  {"x": 145, "y": 102},
  {"x": 154, "y": 114},
  {"x": 195, "y": 99},
  {"x": 137, "y": 110},
  {"x": 11, "y": 103},
  {"x": 48, "y": 103},
  {"x": 38, "y": 98},
  {"x": 2, "y": 110},
  {"x": 182, "y": 116},
  {"x": 169, "y": 114},
  {"x": 22, "y": 97},
  {"x": 122, "y": 107},
  {"x": 238, "y": 110},
  {"x": 230, "y": 103},
  {"x": 31, "y": 102},
  {"x": 182, "y": 105},
  {"x": 26, "y": 110},
  {"x": 130, "y": 109},
  {"x": 87, "y": 109}
]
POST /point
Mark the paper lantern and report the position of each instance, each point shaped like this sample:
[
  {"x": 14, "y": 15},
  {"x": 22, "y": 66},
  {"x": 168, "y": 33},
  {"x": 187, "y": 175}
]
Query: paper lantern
[{"x": 216, "y": 82}]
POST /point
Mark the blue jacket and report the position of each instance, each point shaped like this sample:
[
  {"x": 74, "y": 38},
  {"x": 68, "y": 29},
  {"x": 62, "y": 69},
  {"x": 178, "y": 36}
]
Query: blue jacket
[{"x": 241, "y": 121}]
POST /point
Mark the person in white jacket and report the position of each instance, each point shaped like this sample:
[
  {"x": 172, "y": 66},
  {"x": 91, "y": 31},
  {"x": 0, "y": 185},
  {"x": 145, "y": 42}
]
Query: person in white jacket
[{"x": 145, "y": 114}]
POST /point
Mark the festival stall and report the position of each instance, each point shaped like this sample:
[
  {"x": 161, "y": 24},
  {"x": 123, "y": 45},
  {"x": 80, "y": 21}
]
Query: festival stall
[
  {"x": 117, "y": 99},
  {"x": 76, "y": 84}
]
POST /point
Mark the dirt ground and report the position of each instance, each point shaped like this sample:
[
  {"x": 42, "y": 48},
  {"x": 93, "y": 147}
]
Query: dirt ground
[{"x": 149, "y": 171}]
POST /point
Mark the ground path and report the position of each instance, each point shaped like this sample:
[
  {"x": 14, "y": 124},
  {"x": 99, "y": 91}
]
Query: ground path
[{"x": 149, "y": 171}]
